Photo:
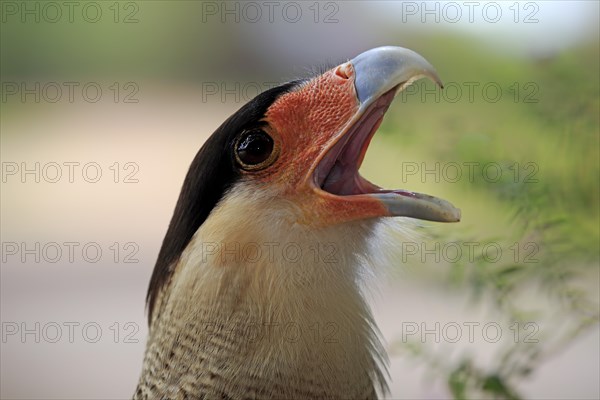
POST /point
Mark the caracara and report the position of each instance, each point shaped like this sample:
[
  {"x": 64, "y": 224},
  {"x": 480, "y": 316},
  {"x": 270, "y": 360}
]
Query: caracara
[{"x": 258, "y": 289}]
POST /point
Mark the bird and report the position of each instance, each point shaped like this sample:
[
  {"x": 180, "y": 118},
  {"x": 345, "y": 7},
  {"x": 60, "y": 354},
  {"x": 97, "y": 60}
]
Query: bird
[{"x": 258, "y": 291}]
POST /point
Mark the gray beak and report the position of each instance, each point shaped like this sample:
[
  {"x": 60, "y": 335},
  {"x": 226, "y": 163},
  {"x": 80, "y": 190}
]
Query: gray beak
[{"x": 378, "y": 71}]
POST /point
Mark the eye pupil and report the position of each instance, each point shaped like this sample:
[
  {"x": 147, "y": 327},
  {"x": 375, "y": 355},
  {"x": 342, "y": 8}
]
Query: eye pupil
[{"x": 254, "y": 148}]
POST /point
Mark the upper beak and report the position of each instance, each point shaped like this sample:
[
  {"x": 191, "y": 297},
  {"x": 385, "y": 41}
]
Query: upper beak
[
  {"x": 377, "y": 72},
  {"x": 383, "y": 68}
]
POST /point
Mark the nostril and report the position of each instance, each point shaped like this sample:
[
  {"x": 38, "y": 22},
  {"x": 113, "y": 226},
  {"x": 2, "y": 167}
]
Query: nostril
[{"x": 344, "y": 70}]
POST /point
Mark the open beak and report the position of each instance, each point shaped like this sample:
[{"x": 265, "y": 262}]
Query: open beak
[{"x": 379, "y": 74}]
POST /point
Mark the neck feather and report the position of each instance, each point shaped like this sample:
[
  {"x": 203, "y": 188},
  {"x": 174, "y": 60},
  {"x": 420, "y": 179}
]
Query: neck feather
[{"x": 275, "y": 305}]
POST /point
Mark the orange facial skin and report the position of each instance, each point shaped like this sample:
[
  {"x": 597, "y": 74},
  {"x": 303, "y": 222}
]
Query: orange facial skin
[{"x": 304, "y": 124}]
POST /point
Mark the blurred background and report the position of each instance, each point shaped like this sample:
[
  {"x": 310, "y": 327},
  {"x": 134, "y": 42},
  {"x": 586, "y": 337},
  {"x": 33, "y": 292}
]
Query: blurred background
[{"x": 104, "y": 105}]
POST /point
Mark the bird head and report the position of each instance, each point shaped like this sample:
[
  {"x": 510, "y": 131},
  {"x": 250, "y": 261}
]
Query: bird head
[
  {"x": 312, "y": 140},
  {"x": 299, "y": 147}
]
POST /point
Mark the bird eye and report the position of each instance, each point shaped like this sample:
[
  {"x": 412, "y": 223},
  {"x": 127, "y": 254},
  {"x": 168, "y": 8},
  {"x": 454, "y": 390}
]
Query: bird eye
[{"x": 254, "y": 150}]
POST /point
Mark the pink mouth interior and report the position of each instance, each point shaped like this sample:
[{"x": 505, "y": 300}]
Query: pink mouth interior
[{"x": 337, "y": 173}]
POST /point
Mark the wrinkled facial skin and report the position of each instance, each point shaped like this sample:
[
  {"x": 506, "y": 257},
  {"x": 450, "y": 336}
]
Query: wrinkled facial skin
[{"x": 304, "y": 124}]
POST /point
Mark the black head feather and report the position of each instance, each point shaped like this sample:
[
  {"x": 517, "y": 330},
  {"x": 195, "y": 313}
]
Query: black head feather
[{"x": 212, "y": 172}]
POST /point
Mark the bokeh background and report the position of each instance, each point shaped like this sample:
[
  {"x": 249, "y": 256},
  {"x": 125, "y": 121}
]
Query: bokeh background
[{"x": 104, "y": 105}]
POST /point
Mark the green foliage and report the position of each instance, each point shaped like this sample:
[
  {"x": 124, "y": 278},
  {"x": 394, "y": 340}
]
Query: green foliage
[{"x": 546, "y": 207}]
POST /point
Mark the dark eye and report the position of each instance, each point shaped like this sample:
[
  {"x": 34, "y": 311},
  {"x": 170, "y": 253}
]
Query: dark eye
[{"x": 254, "y": 150}]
